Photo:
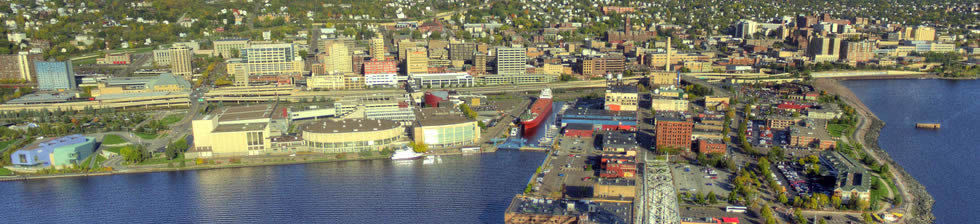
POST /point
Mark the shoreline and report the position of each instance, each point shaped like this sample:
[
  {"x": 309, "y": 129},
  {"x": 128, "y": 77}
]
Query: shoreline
[
  {"x": 917, "y": 203},
  {"x": 208, "y": 167}
]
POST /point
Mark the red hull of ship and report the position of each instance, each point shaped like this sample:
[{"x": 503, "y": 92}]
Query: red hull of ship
[{"x": 542, "y": 107}]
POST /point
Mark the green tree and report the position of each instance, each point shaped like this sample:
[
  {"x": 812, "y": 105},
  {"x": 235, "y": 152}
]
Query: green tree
[
  {"x": 420, "y": 148},
  {"x": 835, "y": 201},
  {"x": 712, "y": 198},
  {"x": 867, "y": 217}
]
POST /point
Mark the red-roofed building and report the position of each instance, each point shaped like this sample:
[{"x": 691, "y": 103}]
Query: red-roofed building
[
  {"x": 793, "y": 106},
  {"x": 617, "y": 167},
  {"x": 729, "y": 220}
]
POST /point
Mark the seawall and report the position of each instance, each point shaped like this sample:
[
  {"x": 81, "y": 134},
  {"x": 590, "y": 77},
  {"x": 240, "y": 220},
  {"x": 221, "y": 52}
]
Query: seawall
[{"x": 919, "y": 207}]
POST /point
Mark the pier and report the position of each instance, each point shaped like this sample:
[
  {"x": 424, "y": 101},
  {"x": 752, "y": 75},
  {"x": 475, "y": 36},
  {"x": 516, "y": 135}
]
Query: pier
[{"x": 927, "y": 125}]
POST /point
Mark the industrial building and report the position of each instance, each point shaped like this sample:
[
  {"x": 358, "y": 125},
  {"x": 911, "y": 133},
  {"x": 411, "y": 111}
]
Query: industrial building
[
  {"x": 600, "y": 119},
  {"x": 618, "y": 188},
  {"x": 621, "y": 97},
  {"x": 662, "y": 103},
  {"x": 58, "y": 153},
  {"x": 618, "y": 142},
  {"x": 165, "y": 82}
]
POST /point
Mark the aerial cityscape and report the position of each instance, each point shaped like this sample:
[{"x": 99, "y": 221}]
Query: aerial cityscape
[{"x": 489, "y": 111}]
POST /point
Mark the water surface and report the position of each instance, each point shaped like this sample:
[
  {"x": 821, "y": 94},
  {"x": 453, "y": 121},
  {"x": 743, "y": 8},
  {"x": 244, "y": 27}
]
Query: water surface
[
  {"x": 944, "y": 160},
  {"x": 460, "y": 189}
]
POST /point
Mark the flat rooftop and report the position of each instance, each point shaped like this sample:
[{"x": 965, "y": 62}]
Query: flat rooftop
[
  {"x": 616, "y": 138},
  {"x": 240, "y": 127},
  {"x": 434, "y": 116},
  {"x": 621, "y": 88},
  {"x": 245, "y": 112},
  {"x": 42, "y": 98},
  {"x": 573, "y": 112},
  {"x": 617, "y": 181},
  {"x": 348, "y": 125},
  {"x": 670, "y": 116}
]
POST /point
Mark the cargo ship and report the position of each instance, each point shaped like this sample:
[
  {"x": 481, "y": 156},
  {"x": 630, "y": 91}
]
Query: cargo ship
[{"x": 539, "y": 111}]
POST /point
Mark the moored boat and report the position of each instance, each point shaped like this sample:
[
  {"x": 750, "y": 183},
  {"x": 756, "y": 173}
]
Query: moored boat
[{"x": 539, "y": 111}]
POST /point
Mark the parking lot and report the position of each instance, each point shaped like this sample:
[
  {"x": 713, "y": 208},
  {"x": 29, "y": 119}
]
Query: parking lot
[
  {"x": 569, "y": 167},
  {"x": 692, "y": 178}
]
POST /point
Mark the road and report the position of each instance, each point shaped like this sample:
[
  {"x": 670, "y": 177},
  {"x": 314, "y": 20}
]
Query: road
[{"x": 718, "y": 91}]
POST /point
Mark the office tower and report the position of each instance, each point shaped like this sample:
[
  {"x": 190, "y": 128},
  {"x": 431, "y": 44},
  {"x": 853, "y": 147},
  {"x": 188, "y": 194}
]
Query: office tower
[
  {"x": 417, "y": 60},
  {"x": 511, "y": 60},
  {"x": 378, "y": 48},
  {"x": 338, "y": 60},
  {"x": 55, "y": 75},
  {"x": 180, "y": 61}
]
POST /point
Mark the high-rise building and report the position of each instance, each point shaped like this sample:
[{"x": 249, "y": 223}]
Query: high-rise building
[
  {"x": 55, "y": 75},
  {"x": 403, "y": 47},
  {"x": 161, "y": 57},
  {"x": 417, "y": 60},
  {"x": 824, "y": 47},
  {"x": 462, "y": 51},
  {"x": 923, "y": 33},
  {"x": 180, "y": 61},
  {"x": 745, "y": 29},
  {"x": 25, "y": 63},
  {"x": 858, "y": 51},
  {"x": 380, "y": 67},
  {"x": 479, "y": 64},
  {"x": 229, "y": 48},
  {"x": 9, "y": 67},
  {"x": 19, "y": 66},
  {"x": 271, "y": 59},
  {"x": 511, "y": 61},
  {"x": 378, "y": 48},
  {"x": 338, "y": 61},
  {"x": 673, "y": 131}
]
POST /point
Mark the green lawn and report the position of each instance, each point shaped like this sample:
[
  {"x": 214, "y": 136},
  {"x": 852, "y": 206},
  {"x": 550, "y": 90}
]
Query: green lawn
[
  {"x": 115, "y": 149},
  {"x": 5, "y": 172},
  {"x": 163, "y": 160},
  {"x": 98, "y": 161},
  {"x": 112, "y": 140},
  {"x": 4, "y": 144},
  {"x": 836, "y": 130},
  {"x": 173, "y": 118},
  {"x": 147, "y": 135}
]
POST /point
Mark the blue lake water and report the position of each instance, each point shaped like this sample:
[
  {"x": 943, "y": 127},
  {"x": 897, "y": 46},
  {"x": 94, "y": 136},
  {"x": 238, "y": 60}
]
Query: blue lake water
[
  {"x": 944, "y": 160},
  {"x": 459, "y": 189}
]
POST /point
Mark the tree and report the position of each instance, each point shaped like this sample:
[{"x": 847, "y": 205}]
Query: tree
[
  {"x": 171, "y": 151},
  {"x": 835, "y": 201},
  {"x": 420, "y": 148},
  {"x": 712, "y": 198},
  {"x": 783, "y": 199},
  {"x": 867, "y": 217},
  {"x": 776, "y": 154}
]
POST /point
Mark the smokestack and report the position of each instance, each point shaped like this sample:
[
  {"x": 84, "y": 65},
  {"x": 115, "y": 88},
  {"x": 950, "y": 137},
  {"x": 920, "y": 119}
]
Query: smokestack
[
  {"x": 627, "y": 28},
  {"x": 667, "y": 63}
]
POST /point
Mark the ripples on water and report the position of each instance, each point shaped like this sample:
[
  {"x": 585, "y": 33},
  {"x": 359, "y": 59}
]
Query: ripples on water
[
  {"x": 460, "y": 189},
  {"x": 943, "y": 160}
]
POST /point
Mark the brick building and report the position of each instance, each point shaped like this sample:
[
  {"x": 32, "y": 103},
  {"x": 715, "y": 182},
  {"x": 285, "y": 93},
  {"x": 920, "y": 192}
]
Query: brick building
[{"x": 673, "y": 130}]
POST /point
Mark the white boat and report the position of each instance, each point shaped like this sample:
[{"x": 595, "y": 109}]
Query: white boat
[
  {"x": 429, "y": 160},
  {"x": 405, "y": 154}
]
